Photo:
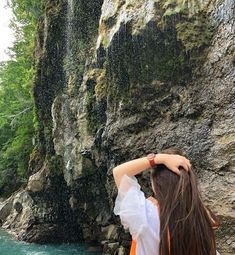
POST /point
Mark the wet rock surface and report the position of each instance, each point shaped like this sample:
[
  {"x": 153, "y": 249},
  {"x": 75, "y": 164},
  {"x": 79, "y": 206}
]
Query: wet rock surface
[{"x": 138, "y": 90}]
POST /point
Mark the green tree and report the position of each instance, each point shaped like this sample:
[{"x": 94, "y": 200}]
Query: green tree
[{"x": 16, "y": 103}]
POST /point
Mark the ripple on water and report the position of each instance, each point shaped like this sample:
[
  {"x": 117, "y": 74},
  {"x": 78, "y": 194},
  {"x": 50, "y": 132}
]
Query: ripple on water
[{"x": 9, "y": 246}]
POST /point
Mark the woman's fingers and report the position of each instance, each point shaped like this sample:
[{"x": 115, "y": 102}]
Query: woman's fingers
[
  {"x": 189, "y": 164},
  {"x": 175, "y": 162},
  {"x": 186, "y": 164},
  {"x": 176, "y": 170}
]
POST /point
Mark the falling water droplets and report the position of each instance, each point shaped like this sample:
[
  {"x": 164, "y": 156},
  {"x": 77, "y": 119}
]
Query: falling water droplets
[{"x": 69, "y": 32}]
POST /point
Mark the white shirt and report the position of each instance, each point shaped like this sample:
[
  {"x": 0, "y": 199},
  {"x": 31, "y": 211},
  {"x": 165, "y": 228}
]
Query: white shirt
[{"x": 139, "y": 215}]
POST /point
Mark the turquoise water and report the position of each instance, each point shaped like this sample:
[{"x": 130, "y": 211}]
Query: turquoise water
[{"x": 8, "y": 246}]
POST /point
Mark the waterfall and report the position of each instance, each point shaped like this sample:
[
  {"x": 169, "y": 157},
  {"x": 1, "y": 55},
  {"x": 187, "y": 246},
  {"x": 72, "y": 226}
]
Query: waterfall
[{"x": 69, "y": 56}]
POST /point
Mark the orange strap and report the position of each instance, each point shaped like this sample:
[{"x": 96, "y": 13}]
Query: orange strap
[
  {"x": 214, "y": 222},
  {"x": 134, "y": 244},
  {"x": 133, "y": 247},
  {"x": 169, "y": 240}
]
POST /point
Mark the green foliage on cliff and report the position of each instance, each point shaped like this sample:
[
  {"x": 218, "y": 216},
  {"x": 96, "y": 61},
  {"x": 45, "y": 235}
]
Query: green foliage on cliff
[
  {"x": 16, "y": 104},
  {"x": 95, "y": 98},
  {"x": 193, "y": 27}
]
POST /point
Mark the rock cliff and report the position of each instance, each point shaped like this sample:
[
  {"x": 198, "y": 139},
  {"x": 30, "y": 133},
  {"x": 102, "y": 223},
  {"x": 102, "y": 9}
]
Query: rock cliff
[{"x": 117, "y": 79}]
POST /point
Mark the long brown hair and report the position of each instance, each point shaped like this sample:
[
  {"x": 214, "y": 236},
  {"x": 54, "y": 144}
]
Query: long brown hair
[{"x": 182, "y": 212}]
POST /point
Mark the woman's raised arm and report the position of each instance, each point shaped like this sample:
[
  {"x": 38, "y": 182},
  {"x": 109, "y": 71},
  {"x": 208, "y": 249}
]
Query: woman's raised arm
[{"x": 136, "y": 166}]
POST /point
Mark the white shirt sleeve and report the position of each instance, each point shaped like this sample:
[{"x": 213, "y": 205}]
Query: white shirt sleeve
[{"x": 131, "y": 206}]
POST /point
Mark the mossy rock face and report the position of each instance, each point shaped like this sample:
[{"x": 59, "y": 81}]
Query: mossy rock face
[
  {"x": 49, "y": 77},
  {"x": 95, "y": 99},
  {"x": 81, "y": 30},
  {"x": 195, "y": 33},
  {"x": 151, "y": 55},
  {"x": 101, "y": 85},
  {"x": 137, "y": 49},
  {"x": 194, "y": 27},
  {"x": 162, "y": 41},
  {"x": 141, "y": 44},
  {"x": 55, "y": 165}
]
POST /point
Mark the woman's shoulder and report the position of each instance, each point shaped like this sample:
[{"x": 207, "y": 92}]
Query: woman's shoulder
[{"x": 153, "y": 201}]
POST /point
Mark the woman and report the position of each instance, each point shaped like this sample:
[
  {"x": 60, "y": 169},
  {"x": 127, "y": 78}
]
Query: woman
[{"x": 175, "y": 222}]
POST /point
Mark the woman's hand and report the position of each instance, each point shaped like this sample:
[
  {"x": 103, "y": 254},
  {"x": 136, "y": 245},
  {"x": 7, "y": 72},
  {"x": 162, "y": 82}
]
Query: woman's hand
[{"x": 173, "y": 162}]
